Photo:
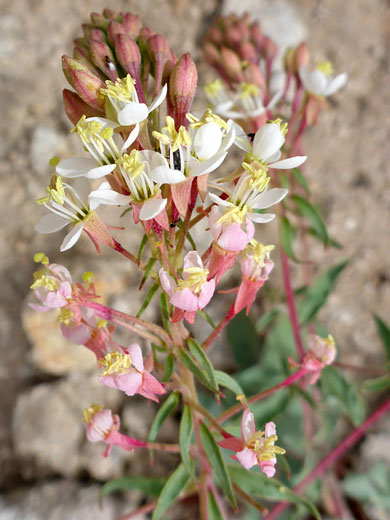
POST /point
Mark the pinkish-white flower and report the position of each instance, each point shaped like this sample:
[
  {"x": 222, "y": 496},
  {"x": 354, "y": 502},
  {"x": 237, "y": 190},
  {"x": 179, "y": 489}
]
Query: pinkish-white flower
[
  {"x": 192, "y": 292},
  {"x": 320, "y": 81},
  {"x": 255, "y": 447},
  {"x": 125, "y": 371},
  {"x": 52, "y": 287}
]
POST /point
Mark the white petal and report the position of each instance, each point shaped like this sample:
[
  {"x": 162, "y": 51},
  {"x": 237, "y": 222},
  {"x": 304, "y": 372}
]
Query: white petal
[
  {"x": 261, "y": 218},
  {"x": 228, "y": 140},
  {"x": 241, "y": 140},
  {"x": 268, "y": 140},
  {"x": 75, "y": 167},
  {"x": 50, "y": 223},
  {"x": 82, "y": 187},
  {"x": 275, "y": 157},
  {"x": 165, "y": 175},
  {"x": 314, "y": 81},
  {"x": 132, "y": 137},
  {"x": 207, "y": 140},
  {"x": 159, "y": 99},
  {"x": 133, "y": 113},
  {"x": 336, "y": 84},
  {"x": 269, "y": 198},
  {"x": 103, "y": 121},
  {"x": 72, "y": 237},
  {"x": 219, "y": 201},
  {"x": 209, "y": 165},
  {"x": 107, "y": 196},
  {"x": 100, "y": 171},
  {"x": 274, "y": 100},
  {"x": 192, "y": 259},
  {"x": 151, "y": 208},
  {"x": 291, "y": 162},
  {"x": 153, "y": 158}
]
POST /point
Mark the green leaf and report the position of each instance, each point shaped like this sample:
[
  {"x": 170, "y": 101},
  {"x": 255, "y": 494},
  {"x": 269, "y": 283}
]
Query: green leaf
[
  {"x": 384, "y": 333},
  {"x": 227, "y": 381},
  {"x": 334, "y": 383},
  {"x": 243, "y": 340},
  {"x": 166, "y": 409},
  {"x": 200, "y": 374},
  {"x": 214, "y": 513},
  {"x": 287, "y": 233},
  {"x": 379, "y": 384},
  {"x": 207, "y": 318},
  {"x": 311, "y": 214},
  {"x": 152, "y": 291},
  {"x": 164, "y": 306},
  {"x": 317, "y": 294},
  {"x": 258, "y": 485},
  {"x": 185, "y": 436},
  {"x": 266, "y": 319},
  {"x": 372, "y": 487},
  {"x": 198, "y": 353},
  {"x": 171, "y": 491},
  {"x": 169, "y": 367},
  {"x": 149, "y": 485},
  {"x": 301, "y": 179},
  {"x": 148, "y": 268},
  {"x": 217, "y": 463},
  {"x": 142, "y": 245}
]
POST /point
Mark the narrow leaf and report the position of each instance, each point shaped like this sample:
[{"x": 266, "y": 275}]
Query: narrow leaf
[
  {"x": 148, "y": 268},
  {"x": 207, "y": 318},
  {"x": 307, "y": 209},
  {"x": 213, "y": 510},
  {"x": 217, "y": 463},
  {"x": 200, "y": 375},
  {"x": 169, "y": 367},
  {"x": 142, "y": 245},
  {"x": 301, "y": 179},
  {"x": 227, "y": 381},
  {"x": 243, "y": 340},
  {"x": 185, "y": 436},
  {"x": 152, "y": 291},
  {"x": 171, "y": 491},
  {"x": 149, "y": 485},
  {"x": 287, "y": 233},
  {"x": 198, "y": 353},
  {"x": 164, "y": 306},
  {"x": 166, "y": 409},
  {"x": 384, "y": 333},
  {"x": 266, "y": 319},
  {"x": 379, "y": 384}
]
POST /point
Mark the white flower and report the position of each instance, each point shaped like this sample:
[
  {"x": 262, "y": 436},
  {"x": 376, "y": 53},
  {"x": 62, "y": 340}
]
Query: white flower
[
  {"x": 97, "y": 136},
  {"x": 66, "y": 205},
  {"x": 124, "y": 100},
  {"x": 320, "y": 81},
  {"x": 266, "y": 146}
]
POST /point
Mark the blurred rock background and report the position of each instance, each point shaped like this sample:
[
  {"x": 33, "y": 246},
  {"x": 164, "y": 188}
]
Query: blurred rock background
[{"x": 48, "y": 471}]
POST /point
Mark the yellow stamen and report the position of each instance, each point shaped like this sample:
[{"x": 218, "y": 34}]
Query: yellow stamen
[
  {"x": 213, "y": 88},
  {"x": 115, "y": 363},
  {"x": 101, "y": 323},
  {"x": 41, "y": 279},
  {"x": 258, "y": 172},
  {"x": 236, "y": 214},
  {"x": 122, "y": 89},
  {"x": 91, "y": 411},
  {"x": 132, "y": 163},
  {"x": 41, "y": 258},
  {"x": 66, "y": 316},
  {"x": 325, "y": 67},
  {"x": 248, "y": 89},
  {"x": 87, "y": 276},
  {"x": 87, "y": 129},
  {"x": 197, "y": 277},
  {"x": 258, "y": 251},
  {"x": 54, "y": 161},
  {"x": 264, "y": 448},
  {"x": 170, "y": 136},
  {"x": 55, "y": 190},
  {"x": 208, "y": 117},
  {"x": 283, "y": 126}
]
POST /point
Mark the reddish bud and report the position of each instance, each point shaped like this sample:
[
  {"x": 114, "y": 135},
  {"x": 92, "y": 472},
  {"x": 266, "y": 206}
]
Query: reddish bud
[
  {"x": 132, "y": 25},
  {"x": 98, "y": 20},
  {"x": 270, "y": 48},
  {"x": 314, "y": 105},
  {"x": 211, "y": 54},
  {"x": 302, "y": 56},
  {"x": 233, "y": 36},
  {"x": 103, "y": 58},
  {"x": 75, "y": 107},
  {"x": 160, "y": 53},
  {"x": 114, "y": 28},
  {"x": 144, "y": 36},
  {"x": 182, "y": 86},
  {"x": 247, "y": 51},
  {"x": 108, "y": 13},
  {"x": 257, "y": 36},
  {"x": 81, "y": 42},
  {"x": 86, "y": 84},
  {"x": 129, "y": 56},
  {"x": 231, "y": 64},
  {"x": 86, "y": 30},
  {"x": 214, "y": 35},
  {"x": 254, "y": 75},
  {"x": 97, "y": 35}
]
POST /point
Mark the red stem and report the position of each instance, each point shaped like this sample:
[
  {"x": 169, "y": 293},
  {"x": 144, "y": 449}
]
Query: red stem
[
  {"x": 335, "y": 454},
  {"x": 217, "y": 331}
]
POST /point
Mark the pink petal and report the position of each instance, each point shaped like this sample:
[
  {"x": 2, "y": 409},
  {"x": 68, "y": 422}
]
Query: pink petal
[
  {"x": 128, "y": 383},
  {"x": 99, "y": 425},
  {"x": 247, "y": 458},
  {"x": 124, "y": 441},
  {"x": 270, "y": 429},
  {"x": 206, "y": 293},
  {"x": 167, "y": 282},
  {"x": 232, "y": 443},
  {"x": 267, "y": 467},
  {"x": 233, "y": 238},
  {"x": 152, "y": 385},
  {"x": 184, "y": 299},
  {"x": 248, "y": 426},
  {"x": 79, "y": 334},
  {"x": 192, "y": 259},
  {"x": 135, "y": 353}
]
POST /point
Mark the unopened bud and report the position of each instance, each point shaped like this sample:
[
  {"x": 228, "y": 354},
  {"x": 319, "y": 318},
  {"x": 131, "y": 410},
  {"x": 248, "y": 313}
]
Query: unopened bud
[
  {"x": 270, "y": 48},
  {"x": 160, "y": 53},
  {"x": 144, "y": 36},
  {"x": 247, "y": 51},
  {"x": 182, "y": 86},
  {"x": 257, "y": 36},
  {"x": 211, "y": 54},
  {"x": 98, "y": 20},
  {"x": 254, "y": 75},
  {"x": 214, "y": 35},
  {"x": 302, "y": 56},
  {"x": 231, "y": 64},
  {"x": 129, "y": 56},
  {"x": 313, "y": 109},
  {"x": 103, "y": 58},
  {"x": 114, "y": 28},
  {"x": 81, "y": 42},
  {"x": 110, "y": 14},
  {"x": 75, "y": 107},
  {"x": 233, "y": 36},
  {"x": 81, "y": 54},
  {"x": 86, "y": 84},
  {"x": 86, "y": 29},
  {"x": 132, "y": 25},
  {"x": 97, "y": 35},
  {"x": 289, "y": 60}
]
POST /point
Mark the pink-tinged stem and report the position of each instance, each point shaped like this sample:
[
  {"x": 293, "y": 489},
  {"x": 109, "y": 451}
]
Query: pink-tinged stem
[
  {"x": 224, "y": 416},
  {"x": 133, "y": 328},
  {"x": 118, "y": 247},
  {"x": 219, "y": 328},
  {"x": 335, "y": 454},
  {"x": 292, "y": 310},
  {"x": 147, "y": 508}
]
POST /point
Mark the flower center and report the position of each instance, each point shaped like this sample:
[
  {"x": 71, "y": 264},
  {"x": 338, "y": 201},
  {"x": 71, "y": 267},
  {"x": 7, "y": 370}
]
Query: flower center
[
  {"x": 208, "y": 117},
  {"x": 41, "y": 279},
  {"x": 248, "y": 90},
  {"x": 115, "y": 363},
  {"x": 122, "y": 89},
  {"x": 170, "y": 136},
  {"x": 197, "y": 277},
  {"x": 65, "y": 316},
  {"x": 89, "y": 413},
  {"x": 132, "y": 164},
  {"x": 264, "y": 448},
  {"x": 325, "y": 67},
  {"x": 213, "y": 88}
]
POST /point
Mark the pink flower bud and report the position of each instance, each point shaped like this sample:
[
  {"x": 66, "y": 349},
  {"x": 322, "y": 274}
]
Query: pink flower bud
[
  {"x": 231, "y": 64},
  {"x": 182, "y": 86},
  {"x": 98, "y": 20},
  {"x": 302, "y": 56},
  {"x": 86, "y": 29},
  {"x": 247, "y": 51},
  {"x": 144, "y": 36},
  {"x": 257, "y": 36},
  {"x": 160, "y": 53},
  {"x": 233, "y": 36},
  {"x": 132, "y": 25},
  {"x": 75, "y": 107},
  {"x": 98, "y": 35},
  {"x": 86, "y": 84},
  {"x": 114, "y": 28},
  {"x": 129, "y": 56},
  {"x": 211, "y": 54},
  {"x": 214, "y": 35},
  {"x": 103, "y": 58},
  {"x": 254, "y": 75},
  {"x": 270, "y": 48},
  {"x": 110, "y": 14}
]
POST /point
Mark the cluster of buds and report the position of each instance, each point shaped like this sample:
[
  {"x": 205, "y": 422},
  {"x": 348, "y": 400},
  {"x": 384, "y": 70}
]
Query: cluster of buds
[{"x": 321, "y": 352}]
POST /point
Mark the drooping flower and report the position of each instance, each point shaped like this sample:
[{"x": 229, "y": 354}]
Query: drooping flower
[
  {"x": 255, "y": 447},
  {"x": 126, "y": 371},
  {"x": 69, "y": 205},
  {"x": 191, "y": 293},
  {"x": 321, "y": 352},
  {"x": 320, "y": 81},
  {"x": 256, "y": 266},
  {"x": 99, "y": 139},
  {"x": 123, "y": 101},
  {"x": 103, "y": 426},
  {"x": 265, "y": 149}
]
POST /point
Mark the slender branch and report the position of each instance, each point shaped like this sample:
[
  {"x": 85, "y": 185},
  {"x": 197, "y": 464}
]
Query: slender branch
[
  {"x": 147, "y": 508},
  {"x": 227, "y": 414},
  {"x": 217, "y": 331},
  {"x": 208, "y": 416},
  {"x": 335, "y": 454},
  {"x": 249, "y": 499},
  {"x": 142, "y": 333},
  {"x": 161, "y": 446}
]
